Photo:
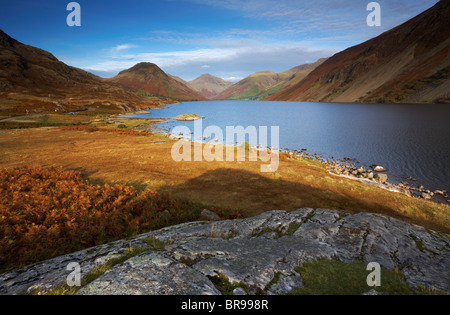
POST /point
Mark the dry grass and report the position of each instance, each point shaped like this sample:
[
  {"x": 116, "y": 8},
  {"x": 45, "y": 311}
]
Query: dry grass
[{"x": 145, "y": 162}]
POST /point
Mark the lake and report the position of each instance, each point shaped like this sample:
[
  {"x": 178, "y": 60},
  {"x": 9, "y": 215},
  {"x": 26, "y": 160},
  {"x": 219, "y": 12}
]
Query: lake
[{"x": 407, "y": 139}]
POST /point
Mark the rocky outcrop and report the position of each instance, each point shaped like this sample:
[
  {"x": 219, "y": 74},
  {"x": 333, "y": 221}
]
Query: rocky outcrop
[{"x": 254, "y": 251}]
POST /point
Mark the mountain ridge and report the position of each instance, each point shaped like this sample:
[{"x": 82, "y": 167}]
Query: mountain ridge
[
  {"x": 409, "y": 63},
  {"x": 33, "y": 81},
  {"x": 264, "y": 83}
]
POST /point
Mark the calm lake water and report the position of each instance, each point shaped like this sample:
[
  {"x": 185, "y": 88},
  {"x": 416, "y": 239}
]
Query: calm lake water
[{"x": 407, "y": 139}]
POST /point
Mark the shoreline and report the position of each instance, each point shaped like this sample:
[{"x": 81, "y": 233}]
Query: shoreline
[{"x": 342, "y": 168}]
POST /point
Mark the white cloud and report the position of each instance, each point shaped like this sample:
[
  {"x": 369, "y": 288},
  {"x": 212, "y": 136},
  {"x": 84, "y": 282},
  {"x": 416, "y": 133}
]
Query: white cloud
[
  {"x": 296, "y": 32},
  {"x": 235, "y": 61},
  {"x": 233, "y": 79},
  {"x": 123, "y": 47},
  {"x": 323, "y": 15}
]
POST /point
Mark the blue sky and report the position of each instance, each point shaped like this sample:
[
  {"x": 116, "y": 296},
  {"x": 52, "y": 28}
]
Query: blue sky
[{"x": 227, "y": 38}]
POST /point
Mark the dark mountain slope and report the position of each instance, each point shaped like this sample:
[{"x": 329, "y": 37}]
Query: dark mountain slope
[
  {"x": 148, "y": 78},
  {"x": 409, "y": 63}
]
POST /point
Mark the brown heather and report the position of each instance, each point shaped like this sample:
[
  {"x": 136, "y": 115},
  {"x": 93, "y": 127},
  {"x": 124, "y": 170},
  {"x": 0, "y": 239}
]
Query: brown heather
[{"x": 46, "y": 212}]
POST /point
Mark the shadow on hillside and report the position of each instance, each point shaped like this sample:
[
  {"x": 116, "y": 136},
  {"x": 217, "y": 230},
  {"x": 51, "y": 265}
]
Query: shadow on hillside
[
  {"x": 258, "y": 193},
  {"x": 255, "y": 193}
]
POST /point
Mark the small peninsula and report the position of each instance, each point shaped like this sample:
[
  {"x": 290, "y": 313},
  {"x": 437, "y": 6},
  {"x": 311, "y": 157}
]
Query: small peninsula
[{"x": 188, "y": 117}]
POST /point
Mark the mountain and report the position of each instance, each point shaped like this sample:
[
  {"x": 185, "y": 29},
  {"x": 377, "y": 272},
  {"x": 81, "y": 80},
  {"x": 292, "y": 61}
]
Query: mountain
[
  {"x": 178, "y": 79},
  {"x": 262, "y": 84},
  {"x": 32, "y": 80},
  {"x": 291, "y": 77},
  {"x": 209, "y": 85},
  {"x": 409, "y": 64},
  {"x": 148, "y": 79}
]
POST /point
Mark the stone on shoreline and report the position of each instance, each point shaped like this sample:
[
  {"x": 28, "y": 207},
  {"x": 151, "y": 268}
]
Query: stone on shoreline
[
  {"x": 382, "y": 178},
  {"x": 379, "y": 168}
]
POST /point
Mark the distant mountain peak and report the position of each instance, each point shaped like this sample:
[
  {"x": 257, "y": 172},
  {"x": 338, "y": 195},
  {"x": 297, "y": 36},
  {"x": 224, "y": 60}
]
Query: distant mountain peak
[
  {"x": 147, "y": 77},
  {"x": 207, "y": 76},
  {"x": 209, "y": 85},
  {"x": 142, "y": 68}
]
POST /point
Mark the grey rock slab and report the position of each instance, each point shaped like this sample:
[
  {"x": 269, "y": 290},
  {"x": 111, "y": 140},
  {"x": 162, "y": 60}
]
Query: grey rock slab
[
  {"x": 252, "y": 251},
  {"x": 150, "y": 274}
]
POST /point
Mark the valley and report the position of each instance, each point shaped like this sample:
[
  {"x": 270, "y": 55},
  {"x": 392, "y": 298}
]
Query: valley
[{"x": 87, "y": 167}]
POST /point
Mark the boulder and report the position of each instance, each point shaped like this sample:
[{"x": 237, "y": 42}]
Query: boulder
[
  {"x": 381, "y": 178},
  {"x": 379, "y": 168},
  {"x": 209, "y": 215}
]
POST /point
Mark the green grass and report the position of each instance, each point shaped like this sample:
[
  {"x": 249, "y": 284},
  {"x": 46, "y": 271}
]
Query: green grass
[
  {"x": 279, "y": 231},
  {"x": 96, "y": 272},
  {"x": 27, "y": 125},
  {"x": 155, "y": 243},
  {"x": 330, "y": 277},
  {"x": 275, "y": 280},
  {"x": 270, "y": 92},
  {"x": 250, "y": 94},
  {"x": 293, "y": 226},
  {"x": 223, "y": 284}
]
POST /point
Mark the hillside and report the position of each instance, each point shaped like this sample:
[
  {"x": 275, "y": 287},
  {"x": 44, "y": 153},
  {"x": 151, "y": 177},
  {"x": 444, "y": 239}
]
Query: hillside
[
  {"x": 34, "y": 81},
  {"x": 148, "y": 79},
  {"x": 177, "y": 78},
  {"x": 209, "y": 85},
  {"x": 262, "y": 84},
  {"x": 409, "y": 63},
  {"x": 292, "y": 77}
]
